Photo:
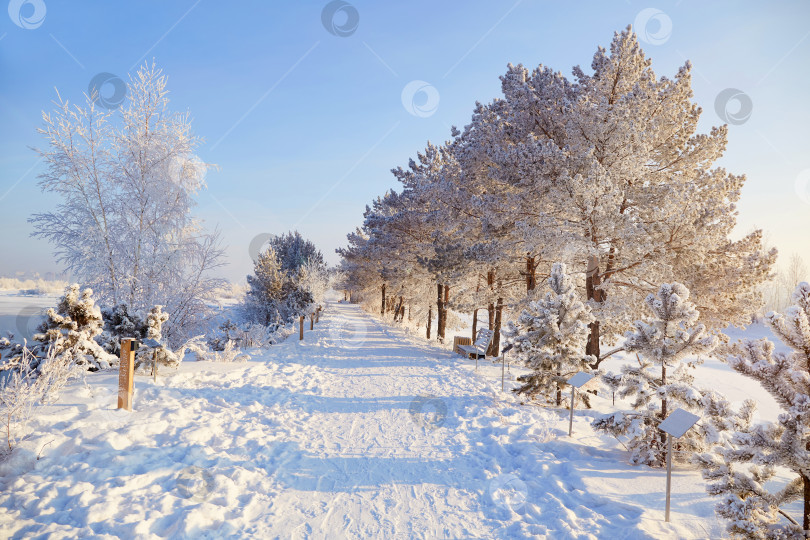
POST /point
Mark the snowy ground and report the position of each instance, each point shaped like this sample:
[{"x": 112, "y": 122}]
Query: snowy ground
[{"x": 359, "y": 431}]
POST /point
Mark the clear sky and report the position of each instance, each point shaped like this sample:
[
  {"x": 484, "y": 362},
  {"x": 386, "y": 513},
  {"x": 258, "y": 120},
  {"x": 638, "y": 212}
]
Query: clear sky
[{"x": 305, "y": 123}]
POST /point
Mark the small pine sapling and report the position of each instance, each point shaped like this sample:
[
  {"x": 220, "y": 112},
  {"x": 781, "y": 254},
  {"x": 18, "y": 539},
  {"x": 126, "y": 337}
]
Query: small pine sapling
[
  {"x": 71, "y": 329},
  {"x": 549, "y": 337},
  {"x": 154, "y": 330},
  {"x": 662, "y": 380}
]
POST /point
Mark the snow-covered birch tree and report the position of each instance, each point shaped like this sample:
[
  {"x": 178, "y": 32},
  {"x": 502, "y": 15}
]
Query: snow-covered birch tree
[{"x": 127, "y": 182}]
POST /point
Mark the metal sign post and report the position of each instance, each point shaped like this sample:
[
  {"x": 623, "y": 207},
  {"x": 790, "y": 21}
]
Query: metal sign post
[
  {"x": 675, "y": 425},
  {"x": 503, "y": 361},
  {"x": 577, "y": 381},
  {"x": 153, "y": 344}
]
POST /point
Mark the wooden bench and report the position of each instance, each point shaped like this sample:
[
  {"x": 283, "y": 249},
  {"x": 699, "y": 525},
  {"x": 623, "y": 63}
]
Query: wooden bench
[
  {"x": 479, "y": 348},
  {"x": 460, "y": 340}
]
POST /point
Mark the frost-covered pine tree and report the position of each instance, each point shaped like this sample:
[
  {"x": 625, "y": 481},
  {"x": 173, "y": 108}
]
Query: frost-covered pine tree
[
  {"x": 265, "y": 289},
  {"x": 668, "y": 348},
  {"x": 71, "y": 328},
  {"x": 154, "y": 330},
  {"x": 120, "y": 321},
  {"x": 549, "y": 337},
  {"x": 742, "y": 471}
]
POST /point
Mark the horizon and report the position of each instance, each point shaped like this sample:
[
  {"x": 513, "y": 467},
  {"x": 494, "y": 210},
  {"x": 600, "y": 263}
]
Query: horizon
[{"x": 306, "y": 108}]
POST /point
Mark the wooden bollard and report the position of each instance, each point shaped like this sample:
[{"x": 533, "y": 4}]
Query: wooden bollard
[
  {"x": 126, "y": 374},
  {"x": 312, "y": 321},
  {"x": 301, "y": 331}
]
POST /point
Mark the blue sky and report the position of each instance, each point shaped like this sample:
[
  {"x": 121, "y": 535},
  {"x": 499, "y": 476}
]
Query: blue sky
[{"x": 305, "y": 125}]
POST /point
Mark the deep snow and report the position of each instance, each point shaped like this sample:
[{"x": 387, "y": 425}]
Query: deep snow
[{"x": 359, "y": 431}]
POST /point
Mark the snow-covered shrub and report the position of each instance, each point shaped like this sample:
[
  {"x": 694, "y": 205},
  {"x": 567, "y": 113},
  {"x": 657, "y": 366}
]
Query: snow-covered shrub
[
  {"x": 29, "y": 381},
  {"x": 120, "y": 321},
  {"x": 246, "y": 335},
  {"x": 740, "y": 470},
  {"x": 662, "y": 379},
  {"x": 229, "y": 353},
  {"x": 549, "y": 337},
  {"x": 77, "y": 321}
]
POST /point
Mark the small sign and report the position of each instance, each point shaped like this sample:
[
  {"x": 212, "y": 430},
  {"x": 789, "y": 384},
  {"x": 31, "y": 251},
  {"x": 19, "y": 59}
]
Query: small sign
[
  {"x": 678, "y": 423},
  {"x": 580, "y": 379},
  {"x": 151, "y": 343}
]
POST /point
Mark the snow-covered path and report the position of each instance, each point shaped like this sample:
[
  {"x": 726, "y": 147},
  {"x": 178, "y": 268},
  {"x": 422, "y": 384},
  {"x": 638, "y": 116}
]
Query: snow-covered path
[{"x": 359, "y": 431}]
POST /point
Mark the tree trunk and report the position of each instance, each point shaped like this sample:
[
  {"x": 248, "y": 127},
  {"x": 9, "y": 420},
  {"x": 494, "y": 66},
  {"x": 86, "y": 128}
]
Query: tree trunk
[
  {"x": 531, "y": 268},
  {"x": 475, "y": 324},
  {"x": 494, "y": 346},
  {"x": 382, "y": 308},
  {"x": 444, "y": 299},
  {"x": 490, "y": 307},
  {"x": 559, "y": 390},
  {"x": 430, "y": 316},
  {"x": 439, "y": 312},
  {"x": 592, "y": 282},
  {"x": 663, "y": 435},
  {"x": 806, "y": 519},
  {"x": 398, "y": 309}
]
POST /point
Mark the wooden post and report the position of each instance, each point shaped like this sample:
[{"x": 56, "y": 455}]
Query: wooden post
[
  {"x": 301, "y": 328},
  {"x": 312, "y": 321},
  {"x": 126, "y": 374}
]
